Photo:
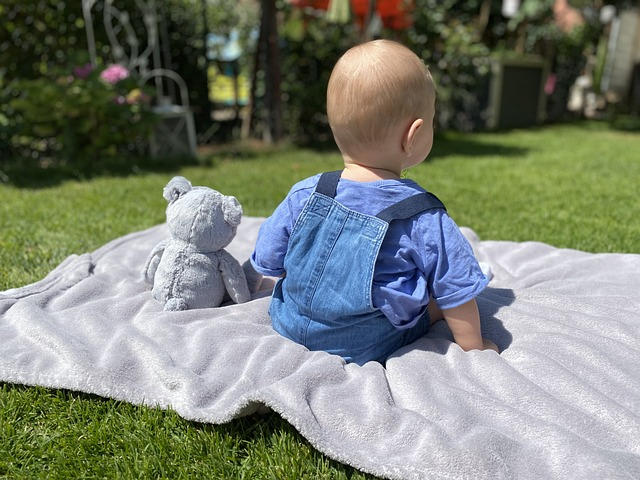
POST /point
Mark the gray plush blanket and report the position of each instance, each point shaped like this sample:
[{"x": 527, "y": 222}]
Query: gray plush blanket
[{"x": 561, "y": 401}]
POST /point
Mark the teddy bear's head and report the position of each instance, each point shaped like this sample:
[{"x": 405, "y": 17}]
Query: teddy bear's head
[{"x": 201, "y": 216}]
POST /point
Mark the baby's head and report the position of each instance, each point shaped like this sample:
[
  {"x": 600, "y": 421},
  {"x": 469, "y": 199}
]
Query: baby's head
[{"x": 375, "y": 91}]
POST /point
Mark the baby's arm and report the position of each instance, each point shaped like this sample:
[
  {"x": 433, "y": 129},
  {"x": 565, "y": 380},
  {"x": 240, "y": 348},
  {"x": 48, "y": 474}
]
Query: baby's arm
[{"x": 464, "y": 323}]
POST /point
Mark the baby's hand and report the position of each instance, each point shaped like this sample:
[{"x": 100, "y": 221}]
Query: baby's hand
[{"x": 489, "y": 345}]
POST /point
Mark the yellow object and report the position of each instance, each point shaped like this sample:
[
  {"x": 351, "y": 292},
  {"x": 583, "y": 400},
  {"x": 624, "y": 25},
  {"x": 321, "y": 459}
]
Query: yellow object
[
  {"x": 339, "y": 11},
  {"x": 221, "y": 88}
]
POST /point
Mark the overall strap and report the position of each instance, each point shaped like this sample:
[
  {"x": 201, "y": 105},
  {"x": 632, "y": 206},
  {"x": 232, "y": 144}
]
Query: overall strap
[
  {"x": 402, "y": 210},
  {"x": 411, "y": 206},
  {"x": 328, "y": 183}
]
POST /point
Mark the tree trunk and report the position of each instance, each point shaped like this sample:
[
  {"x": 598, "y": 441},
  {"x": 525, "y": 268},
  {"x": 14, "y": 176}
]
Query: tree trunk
[
  {"x": 367, "y": 34},
  {"x": 273, "y": 101}
]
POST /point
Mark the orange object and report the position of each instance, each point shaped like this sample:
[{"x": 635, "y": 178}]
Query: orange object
[
  {"x": 317, "y": 4},
  {"x": 395, "y": 14}
]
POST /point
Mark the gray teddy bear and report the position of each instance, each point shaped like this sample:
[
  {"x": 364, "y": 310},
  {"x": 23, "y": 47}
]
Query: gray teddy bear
[{"x": 191, "y": 269}]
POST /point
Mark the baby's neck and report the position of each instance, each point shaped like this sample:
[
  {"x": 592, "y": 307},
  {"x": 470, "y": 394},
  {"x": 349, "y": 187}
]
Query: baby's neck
[{"x": 364, "y": 173}]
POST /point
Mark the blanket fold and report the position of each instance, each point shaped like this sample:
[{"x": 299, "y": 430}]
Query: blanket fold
[{"x": 561, "y": 401}]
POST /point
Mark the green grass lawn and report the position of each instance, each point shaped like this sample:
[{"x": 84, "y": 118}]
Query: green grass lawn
[{"x": 573, "y": 186}]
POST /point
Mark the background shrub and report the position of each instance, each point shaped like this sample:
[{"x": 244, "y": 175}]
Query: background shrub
[
  {"x": 43, "y": 40},
  {"x": 80, "y": 115}
]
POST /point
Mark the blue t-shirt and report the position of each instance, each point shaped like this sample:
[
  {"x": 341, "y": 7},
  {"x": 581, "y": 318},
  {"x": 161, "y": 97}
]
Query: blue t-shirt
[{"x": 422, "y": 256}]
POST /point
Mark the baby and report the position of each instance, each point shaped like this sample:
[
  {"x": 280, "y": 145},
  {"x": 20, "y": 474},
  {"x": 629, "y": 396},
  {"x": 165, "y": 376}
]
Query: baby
[{"x": 369, "y": 260}]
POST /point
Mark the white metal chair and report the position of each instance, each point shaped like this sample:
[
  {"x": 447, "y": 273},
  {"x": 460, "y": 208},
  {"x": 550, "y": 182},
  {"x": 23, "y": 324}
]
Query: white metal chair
[{"x": 175, "y": 134}]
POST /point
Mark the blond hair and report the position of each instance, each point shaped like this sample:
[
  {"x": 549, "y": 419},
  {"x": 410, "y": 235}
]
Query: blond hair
[{"x": 373, "y": 88}]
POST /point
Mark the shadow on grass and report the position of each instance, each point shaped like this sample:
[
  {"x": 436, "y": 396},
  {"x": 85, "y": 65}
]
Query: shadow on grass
[
  {"x": 625, "y": 123},
  {"x": 209, "y": 154},
  {"x": 27, "y": 173},
  {"x": 444, "y": 145},
  {"x": 466, "y": 146}
]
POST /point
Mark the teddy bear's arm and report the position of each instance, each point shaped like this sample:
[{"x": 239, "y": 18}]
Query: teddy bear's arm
[
  {"x": 233, "y": 277},
  {"x": 151, "y": 265}
]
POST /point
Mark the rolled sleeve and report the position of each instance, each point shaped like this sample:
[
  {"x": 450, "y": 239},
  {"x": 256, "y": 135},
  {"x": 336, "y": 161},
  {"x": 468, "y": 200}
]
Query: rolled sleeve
[
  {"x": 457, "y": 276},
  {"x": 271, "y": 247}
]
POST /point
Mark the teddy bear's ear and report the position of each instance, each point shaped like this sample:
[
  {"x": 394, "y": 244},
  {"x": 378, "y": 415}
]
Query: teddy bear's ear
[
  {"x": 176, "y": 187},
  {"x": 232, "y": 211}
]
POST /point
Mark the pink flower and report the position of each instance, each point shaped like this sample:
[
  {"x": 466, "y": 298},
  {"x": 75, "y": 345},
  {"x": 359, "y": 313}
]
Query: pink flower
[
  {"x": 114, "y": 73},
  {"x": 83, "y": 71}
]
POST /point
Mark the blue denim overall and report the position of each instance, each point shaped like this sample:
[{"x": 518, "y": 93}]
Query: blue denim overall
[{"x": 324, "y": 301}]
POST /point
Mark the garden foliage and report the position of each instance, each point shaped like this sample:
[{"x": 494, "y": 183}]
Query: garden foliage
[
  {"x": 48, "y": 113},
  {"x": 51, "y": 111},
  {"x": 456, "y": 38},
  {"x": 82, "y": 114}
]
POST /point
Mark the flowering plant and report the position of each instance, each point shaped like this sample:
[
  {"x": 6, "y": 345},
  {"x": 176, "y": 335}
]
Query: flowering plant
[
  {"x": 114, "y": 73},
  {"x": 86, "y": 114}
]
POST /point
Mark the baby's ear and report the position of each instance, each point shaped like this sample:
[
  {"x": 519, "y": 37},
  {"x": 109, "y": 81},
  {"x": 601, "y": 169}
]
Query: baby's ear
[
  {"x": 176, "y": 187},
  {"x": 411, "y": 135},
  {"x": 232, "y": 211}
]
